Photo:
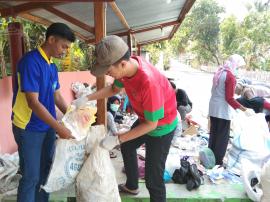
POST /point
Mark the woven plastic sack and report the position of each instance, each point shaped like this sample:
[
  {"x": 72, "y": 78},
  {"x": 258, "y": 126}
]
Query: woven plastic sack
[
  {"x": 68, "y": 160},
  {"x": 96, "y": 181}
]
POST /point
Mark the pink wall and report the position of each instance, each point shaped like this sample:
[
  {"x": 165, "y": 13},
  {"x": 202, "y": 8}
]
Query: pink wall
[
  {"x": 66, "y": 79},
  {"x": 7, "y": 143}
]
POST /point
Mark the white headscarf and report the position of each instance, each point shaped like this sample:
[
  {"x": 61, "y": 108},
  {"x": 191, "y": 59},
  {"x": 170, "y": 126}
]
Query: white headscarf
[{"x": 233, "y": 62}]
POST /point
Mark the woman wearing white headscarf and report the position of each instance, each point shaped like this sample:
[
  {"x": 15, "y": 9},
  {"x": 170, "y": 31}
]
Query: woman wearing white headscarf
[{"x": 221, "y": 104}]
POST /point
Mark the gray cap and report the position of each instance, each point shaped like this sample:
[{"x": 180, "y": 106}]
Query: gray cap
[{"x": 108, "y": 51}]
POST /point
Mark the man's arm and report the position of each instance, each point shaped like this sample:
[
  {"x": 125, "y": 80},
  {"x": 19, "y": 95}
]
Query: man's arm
[
  {"x": 44, "y": 115},
  {"x": 142, "y": 129},
  {"x": 104, "y": 93},
  {"x": 248, "y": 93},
  {"x": 60, "y": 102}
]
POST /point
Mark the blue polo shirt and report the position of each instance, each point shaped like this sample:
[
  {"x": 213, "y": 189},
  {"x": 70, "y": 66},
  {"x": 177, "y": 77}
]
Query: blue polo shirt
[{"x": 35, "y": 73}]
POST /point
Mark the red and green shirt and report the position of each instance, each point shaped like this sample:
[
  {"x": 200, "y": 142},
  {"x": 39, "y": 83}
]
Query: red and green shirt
[{"x": 151, "y": 97}]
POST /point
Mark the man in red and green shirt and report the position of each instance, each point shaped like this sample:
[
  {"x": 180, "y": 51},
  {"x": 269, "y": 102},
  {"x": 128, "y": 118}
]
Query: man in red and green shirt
[{"x": 152, "y": 98}]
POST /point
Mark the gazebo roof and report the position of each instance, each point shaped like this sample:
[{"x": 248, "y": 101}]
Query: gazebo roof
[{"x": 147, "y": 20}]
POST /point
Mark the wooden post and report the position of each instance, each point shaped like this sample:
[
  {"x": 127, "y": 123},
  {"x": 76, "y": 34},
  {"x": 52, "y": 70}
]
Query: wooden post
[
  {"x": 15, "y": 32},
  {"x": 138, "y": 50},
  {"x": 129, "y": 42},
  {"x": 100, "y": 32}
]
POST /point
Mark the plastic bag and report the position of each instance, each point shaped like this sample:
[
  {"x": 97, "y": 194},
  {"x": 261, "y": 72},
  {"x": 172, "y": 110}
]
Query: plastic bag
[
  {"x": 80, "y": 89},
  {"x": 249, "y": 173},
  {"x": 68, "y": 160},
  {"x": 251, "y": 133},
  {"x": 251, "y": 141},
  {"x": 96, "y": 181},
  {"x": 265, "y": 182},
  {"x": 75, "y": 121},
  {"x": 9, "y": 179}
]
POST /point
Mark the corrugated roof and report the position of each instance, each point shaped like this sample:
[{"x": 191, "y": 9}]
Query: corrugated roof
[{"x": 147, "y": 20}]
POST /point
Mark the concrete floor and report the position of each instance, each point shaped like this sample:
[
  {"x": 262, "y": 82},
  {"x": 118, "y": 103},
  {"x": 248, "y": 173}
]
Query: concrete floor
[
  {"x": 175, "y": 193},
  {"x": 208, "y": 192}
]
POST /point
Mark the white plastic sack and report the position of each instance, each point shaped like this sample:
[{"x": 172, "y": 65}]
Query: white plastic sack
[
  {"x": 251, "y": 133},
  {"x": 265, "y": 182},
  {"x": 75, "y": 121},
  {"x": 248, "y": 172},
  {"x": 235, "y": 156},
  {"x": 251, "y": 141},
  {"x": 68, "y": 160},
  {"x": 9, "y": 179},
  {"x": 96, "y": 181}
]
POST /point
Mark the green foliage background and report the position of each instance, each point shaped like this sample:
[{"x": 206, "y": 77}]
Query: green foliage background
[
  {"x": 78, "y": 58},
  {"x": 209, "y": 40},
  {"x": 204, "y": 38}
]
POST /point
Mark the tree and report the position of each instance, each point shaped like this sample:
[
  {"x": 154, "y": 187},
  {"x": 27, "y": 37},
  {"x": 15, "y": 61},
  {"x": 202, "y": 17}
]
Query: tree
[
  {"x": 3, "y": 42},
  {"x": 230, "y": 33},
  {"x": 255, "y": 41},
  {"x": 204, "y": 25},
  {"x": 180, "y": 41},
  {"x": 155, "y": 50},
  {"x": 34, "y": 34},
  {"x": 198, "y": 34},
  {"x": 4, "y": 47}
]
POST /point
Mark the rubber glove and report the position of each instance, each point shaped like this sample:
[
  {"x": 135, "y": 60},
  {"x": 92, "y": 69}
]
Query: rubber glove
[
  {"x": 249, "y": 112},
  {"x": 110, "y": 142},
  {"x": 80, "y": 102}
]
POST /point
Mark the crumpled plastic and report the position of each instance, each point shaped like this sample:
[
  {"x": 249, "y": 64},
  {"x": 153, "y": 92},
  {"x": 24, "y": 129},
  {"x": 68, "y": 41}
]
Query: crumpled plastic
[
  {"x": 76, "y": 122},
  {"x": 96, "y": 181},
  {"x": 218, "y": 174},
  {"x": 80, "y": 90},
  {"x": 9, "y": 179}
]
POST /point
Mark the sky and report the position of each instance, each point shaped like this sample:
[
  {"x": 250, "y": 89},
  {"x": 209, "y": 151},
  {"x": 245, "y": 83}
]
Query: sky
[{"x": 235, "y": 7}]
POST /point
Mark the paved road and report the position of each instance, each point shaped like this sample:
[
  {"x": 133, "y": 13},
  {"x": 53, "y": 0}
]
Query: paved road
[{"x": 198, "y": 87}]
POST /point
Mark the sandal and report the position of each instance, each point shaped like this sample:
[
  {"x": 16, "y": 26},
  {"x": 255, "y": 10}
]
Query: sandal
[
  {"x": 112, "y": 155},
  {"x": 122, "y": 188}
]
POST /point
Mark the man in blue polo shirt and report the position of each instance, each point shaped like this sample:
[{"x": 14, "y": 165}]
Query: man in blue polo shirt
[{"x": 33, "y": 113}]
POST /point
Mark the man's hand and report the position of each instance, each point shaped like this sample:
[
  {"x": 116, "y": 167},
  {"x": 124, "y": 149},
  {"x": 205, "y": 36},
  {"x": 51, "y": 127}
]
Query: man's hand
[
  {"x": 63, "y": 132},
  {"x": 80, "y": 102},
  {"x": 110, "y": 142},
  {"x": 249, "y": 112}
]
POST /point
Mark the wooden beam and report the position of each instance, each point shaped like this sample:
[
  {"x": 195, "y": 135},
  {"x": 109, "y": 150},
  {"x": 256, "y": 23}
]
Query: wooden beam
[
  {"x": 45, "y": 22},
  {"x": 23, "y": 8},
  {"x": 159, "y": 26},
  {"x": 67, "y": 1},
  {"x": 129, "y": 42},
  {"x": 153, "y": 41},
  {"x": 187, "y": 6},
  {"x": 91, "y": 40},
  {"x": 138, "y": 49},
  {"x": 100, "y": 32},
  {"x": 36, "y": 19},
  {"x": 122, "y": 33},
  {"x": 119, "y": 14},
  {"x": 70, "y": 19}
]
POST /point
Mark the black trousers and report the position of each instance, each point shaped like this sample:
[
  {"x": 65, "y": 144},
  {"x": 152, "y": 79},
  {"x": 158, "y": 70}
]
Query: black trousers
[
  {"x": 157, "y": 149},
  {"x": 219, "y": 137}
]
